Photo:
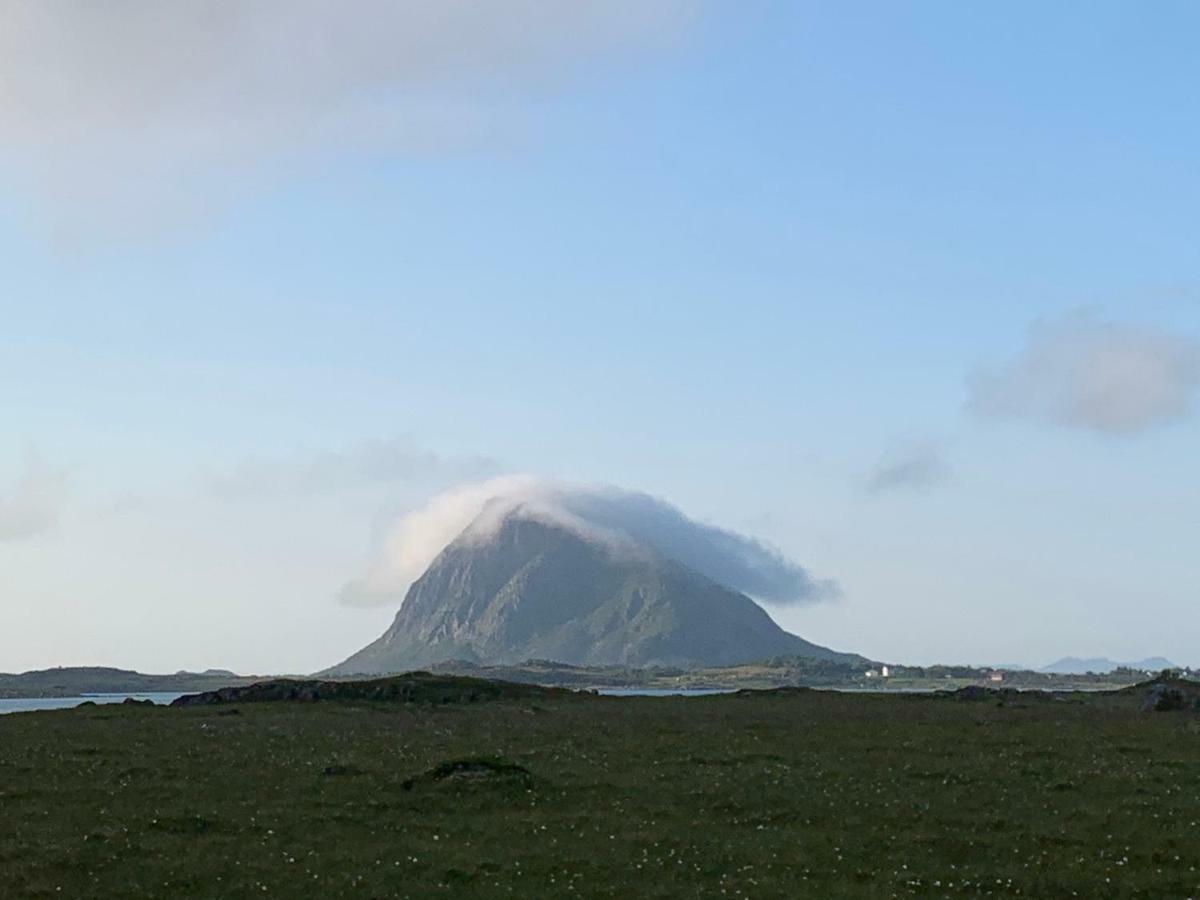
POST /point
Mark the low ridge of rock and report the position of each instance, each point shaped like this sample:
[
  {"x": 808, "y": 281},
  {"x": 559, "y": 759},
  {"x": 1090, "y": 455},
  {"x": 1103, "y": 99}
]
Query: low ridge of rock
[{"x": 413, "y": 687}]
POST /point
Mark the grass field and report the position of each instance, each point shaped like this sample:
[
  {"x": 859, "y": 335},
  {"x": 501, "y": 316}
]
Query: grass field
[{"x": 790, "y": 794}]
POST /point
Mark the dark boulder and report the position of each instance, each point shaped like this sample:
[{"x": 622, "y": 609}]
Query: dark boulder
[{"x": 1165, "y": 697}]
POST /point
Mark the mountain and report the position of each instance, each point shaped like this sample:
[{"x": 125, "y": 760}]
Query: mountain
[
  {"x": 1071, "y": 665},
  {"x": 531, "y": 589}
]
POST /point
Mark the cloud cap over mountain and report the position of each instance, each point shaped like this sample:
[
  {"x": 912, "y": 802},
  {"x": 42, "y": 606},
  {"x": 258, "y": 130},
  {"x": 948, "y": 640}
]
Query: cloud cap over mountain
[{"x": 601, "y": 513}]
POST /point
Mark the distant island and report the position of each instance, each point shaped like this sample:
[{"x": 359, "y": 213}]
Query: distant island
[
  {"x": 80, "y": 680},
  {"x": 1071, "y": 665},
  {"x": 784, "y": 671}
]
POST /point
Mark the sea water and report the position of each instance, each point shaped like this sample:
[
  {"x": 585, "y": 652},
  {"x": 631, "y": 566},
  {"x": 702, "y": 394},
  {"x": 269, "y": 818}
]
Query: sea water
[{"x": 663, "y": 691}]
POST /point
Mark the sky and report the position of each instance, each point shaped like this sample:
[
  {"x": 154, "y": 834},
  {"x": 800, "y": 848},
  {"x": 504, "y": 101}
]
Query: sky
[{"x": 908, "y": 292}]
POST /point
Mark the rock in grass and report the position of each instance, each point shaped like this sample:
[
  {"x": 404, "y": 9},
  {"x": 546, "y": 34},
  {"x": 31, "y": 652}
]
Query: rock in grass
[
  {"x": 474, "y": 769},
  {"x": 1170, "y": 694}
]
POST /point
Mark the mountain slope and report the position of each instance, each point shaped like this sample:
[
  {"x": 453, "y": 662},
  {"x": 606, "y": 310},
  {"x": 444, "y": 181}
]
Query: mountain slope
[{"x": 534, "y": 590}]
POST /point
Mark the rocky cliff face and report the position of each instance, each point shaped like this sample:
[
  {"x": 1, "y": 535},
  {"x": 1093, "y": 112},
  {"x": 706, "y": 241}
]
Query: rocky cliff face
[{"x": 536, "y": 590}]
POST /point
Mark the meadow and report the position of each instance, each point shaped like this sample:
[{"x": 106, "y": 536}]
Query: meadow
[{"x": 790, "y": 793}]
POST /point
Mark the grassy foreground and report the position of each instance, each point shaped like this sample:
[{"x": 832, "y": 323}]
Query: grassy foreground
[{"x": 790, "y": 794}]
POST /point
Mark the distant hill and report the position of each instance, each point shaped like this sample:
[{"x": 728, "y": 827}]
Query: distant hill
[
  {"x": 73, "y": 681},
  {"x": 535, "y": 590},
  {"x": 1071, "y": 665}
]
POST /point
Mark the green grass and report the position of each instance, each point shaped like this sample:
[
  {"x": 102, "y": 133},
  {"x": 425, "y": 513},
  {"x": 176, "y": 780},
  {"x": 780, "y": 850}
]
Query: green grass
[{"x": 800, "y": 794}]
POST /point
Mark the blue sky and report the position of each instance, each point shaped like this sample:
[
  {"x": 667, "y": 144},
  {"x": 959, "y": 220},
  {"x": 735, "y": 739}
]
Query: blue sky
[{"x": 755, "y": 259}]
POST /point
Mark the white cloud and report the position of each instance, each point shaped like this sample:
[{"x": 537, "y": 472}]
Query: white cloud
[
  {"x": 618, "y": 518},
  {"x": 362, "y": 465},
  {"x": 31, "y": 507},
  {"x": 413, "y": 541},
  {"x": 1086, "y": 373},
  {"x": 149, "y": 103},
  {"x": 917, "y": 467}
]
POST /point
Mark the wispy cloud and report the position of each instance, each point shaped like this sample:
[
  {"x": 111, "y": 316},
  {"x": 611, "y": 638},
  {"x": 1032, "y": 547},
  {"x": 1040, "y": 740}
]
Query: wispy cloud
[
  {"x": 32, "y": 505},
  {"x": 362, "y": 465},
  {"x": 132, "y": 103},
  {"x": 1083, "y": 372},
  {"x": 917, "y": 467},
  {"x": 600, "y": 513}
]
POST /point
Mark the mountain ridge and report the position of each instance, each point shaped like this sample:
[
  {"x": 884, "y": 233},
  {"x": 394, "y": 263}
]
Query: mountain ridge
[{"x": 1073, "y": 665}]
